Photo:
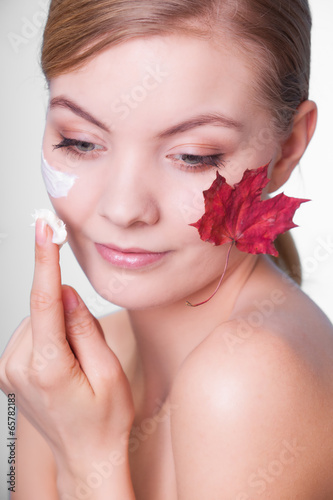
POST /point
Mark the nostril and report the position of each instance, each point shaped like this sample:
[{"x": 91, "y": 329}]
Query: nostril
[{"x": 131, "y": 210}]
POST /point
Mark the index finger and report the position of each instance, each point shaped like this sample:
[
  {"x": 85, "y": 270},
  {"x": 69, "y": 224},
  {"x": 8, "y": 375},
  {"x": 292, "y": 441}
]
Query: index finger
[{"x": 46, "y": 307}]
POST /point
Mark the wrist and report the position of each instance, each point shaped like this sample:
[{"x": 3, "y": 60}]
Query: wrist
[{"x": 95, "y": 477}]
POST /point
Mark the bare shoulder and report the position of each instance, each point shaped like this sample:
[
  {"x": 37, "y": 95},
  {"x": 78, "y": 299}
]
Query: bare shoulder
[{"x": 255, "y": 404}]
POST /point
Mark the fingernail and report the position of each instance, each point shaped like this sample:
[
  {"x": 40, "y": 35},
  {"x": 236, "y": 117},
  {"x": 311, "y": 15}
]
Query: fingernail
[
  {"x": 70, "y": 300},
  {"x": 41, "y": 234}
]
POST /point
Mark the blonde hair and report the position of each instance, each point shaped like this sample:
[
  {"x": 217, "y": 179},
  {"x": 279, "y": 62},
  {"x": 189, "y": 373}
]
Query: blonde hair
[{"x": 276, "y": 35}]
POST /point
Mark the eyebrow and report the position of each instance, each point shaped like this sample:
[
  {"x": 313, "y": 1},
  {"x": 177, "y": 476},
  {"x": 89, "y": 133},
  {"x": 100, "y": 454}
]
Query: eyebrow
[
  {"x": 64, "y": 102},
  {"x": 217, "y": 119}
]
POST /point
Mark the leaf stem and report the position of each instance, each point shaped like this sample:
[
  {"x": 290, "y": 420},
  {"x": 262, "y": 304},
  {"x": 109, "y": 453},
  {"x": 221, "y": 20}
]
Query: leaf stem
[{"x": 221, "y": 279}]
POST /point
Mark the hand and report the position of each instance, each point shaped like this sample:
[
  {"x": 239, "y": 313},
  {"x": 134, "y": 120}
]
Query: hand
[{"x": 68, "y": 383}]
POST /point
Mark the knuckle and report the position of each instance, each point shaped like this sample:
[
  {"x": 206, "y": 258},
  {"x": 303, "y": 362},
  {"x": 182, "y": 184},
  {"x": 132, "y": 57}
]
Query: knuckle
[
  {"x": 2, "y": 373},
  {"x": 41, "y": 301},
  {"x": 22, "y": 329},
  {"x": 111, "y": 372},
  {"x": 116, "y": 370},
  {"x": 45, "y": 381},
  {"x": 14, "y": 371},
  {"x": 26, "y": 322},
  {"x": 43, "y": 378},
  {"x": 38, "y": 363},
  {"x": 82, "y": 326},
  {"x": 42, "y": 257}
]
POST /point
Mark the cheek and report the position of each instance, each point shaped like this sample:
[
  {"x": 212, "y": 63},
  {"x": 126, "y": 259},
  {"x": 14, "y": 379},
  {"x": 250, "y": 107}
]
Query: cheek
[
  {"x": 80, "y": 203},
  {"x": 187, "y": 202},
  {"x": 190, "y": 207},
  {"x": 58, "y": 183}
]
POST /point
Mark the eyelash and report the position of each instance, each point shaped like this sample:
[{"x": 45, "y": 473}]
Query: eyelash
[
  {"x": 204, "y": 162},
  {"x": 71, "y": 144}
]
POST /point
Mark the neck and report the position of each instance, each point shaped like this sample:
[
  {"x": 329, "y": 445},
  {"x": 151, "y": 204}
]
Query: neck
[{"x": 166, "y": 335}]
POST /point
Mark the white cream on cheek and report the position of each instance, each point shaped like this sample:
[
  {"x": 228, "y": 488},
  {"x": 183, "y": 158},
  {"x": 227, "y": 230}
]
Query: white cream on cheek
[{"x": 57, "y": 183}]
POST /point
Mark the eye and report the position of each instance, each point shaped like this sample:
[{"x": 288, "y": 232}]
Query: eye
[
  {"x": 198, "y": 162},
  {"x": 191, "y": 159},
  {"x": 80, "y": 148},
  {"x": 85, "y": 146}
]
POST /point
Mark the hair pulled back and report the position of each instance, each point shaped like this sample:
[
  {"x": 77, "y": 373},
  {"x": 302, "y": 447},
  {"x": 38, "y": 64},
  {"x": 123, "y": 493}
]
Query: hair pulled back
[{"x": 276, "y": 34}]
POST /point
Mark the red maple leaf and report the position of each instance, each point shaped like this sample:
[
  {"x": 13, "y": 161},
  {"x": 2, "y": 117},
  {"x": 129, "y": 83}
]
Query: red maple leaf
[{"x": 239, "y": 216}]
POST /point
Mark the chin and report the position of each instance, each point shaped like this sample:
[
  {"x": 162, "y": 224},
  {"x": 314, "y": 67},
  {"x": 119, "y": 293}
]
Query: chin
[{"x": 134, "y": 293}]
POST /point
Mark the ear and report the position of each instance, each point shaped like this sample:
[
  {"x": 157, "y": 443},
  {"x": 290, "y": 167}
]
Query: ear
[{"x": 293, "y": 148}]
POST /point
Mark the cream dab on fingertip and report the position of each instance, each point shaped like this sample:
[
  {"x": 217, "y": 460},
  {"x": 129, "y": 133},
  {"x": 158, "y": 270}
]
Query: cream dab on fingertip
[{"x": 57, "y": 225}]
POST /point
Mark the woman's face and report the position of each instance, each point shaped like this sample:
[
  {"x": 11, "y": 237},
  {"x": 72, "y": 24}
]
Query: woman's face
[{"x": 133, "y": 125}]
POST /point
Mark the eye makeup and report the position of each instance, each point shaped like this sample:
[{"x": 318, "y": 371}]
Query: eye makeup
[
  {"x": 193, "y": 162},
  {"x": 79, "y": 148}
]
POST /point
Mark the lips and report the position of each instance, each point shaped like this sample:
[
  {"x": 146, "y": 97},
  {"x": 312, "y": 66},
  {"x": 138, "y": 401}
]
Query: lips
[{"x": 129, "y": 258}]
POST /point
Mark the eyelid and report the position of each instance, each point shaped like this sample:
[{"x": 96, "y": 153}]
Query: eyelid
[
  {"x": 70, "y": 146},
  {"x": 196, "y": 149},
  {"x": 67, "y": 142},
  {"x": 207, "y": 161},
  {"x": 62, "y": 120},
  {"x": 81, "y": 135}
]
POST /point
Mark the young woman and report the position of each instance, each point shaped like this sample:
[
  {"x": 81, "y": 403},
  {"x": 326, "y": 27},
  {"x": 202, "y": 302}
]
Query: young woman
[{"x": 161, "y": 401}]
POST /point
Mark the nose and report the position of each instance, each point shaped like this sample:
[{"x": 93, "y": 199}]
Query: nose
[{"x": 128, "y": 197}]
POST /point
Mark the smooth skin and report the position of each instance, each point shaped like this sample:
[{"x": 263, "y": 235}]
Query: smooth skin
[{"x": 232, "y": 400}]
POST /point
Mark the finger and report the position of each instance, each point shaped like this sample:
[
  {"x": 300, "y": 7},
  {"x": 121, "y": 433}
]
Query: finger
[
  {"x": 47, "y": 314},
  {"x": 87, "y": 340}
]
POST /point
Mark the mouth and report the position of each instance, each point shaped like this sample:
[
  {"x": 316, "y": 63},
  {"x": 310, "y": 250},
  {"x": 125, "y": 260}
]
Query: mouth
[{"x": 129, "y": 258}]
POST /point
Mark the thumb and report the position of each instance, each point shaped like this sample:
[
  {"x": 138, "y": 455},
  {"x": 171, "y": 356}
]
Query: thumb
[{"x": 86, "y": 338}]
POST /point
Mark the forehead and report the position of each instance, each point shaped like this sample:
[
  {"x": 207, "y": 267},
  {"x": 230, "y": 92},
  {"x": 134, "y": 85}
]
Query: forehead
[{"x": 160, "y": 76}]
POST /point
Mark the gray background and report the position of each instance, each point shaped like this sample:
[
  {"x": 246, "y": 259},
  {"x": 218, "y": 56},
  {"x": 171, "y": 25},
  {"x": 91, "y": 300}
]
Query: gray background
[{"x": 23, "y": 105}]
